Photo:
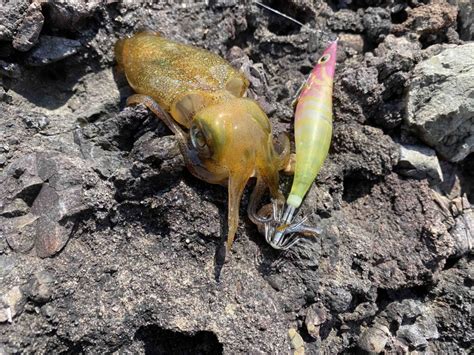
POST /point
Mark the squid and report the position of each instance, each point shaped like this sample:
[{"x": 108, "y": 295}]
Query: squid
[
  {"x": 313, "y": 132},
  {"x": 224, "y": 137}
]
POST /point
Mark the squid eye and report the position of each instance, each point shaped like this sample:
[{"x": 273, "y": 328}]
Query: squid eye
[
  {"x": 197, "y": 138},
  {"x": 324, "y": 59},
  {"x": 199, "y": 142}
]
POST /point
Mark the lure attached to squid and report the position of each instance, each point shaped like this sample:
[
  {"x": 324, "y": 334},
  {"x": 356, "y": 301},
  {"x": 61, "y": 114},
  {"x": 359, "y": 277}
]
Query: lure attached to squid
[{"x": 313, "y": 132}]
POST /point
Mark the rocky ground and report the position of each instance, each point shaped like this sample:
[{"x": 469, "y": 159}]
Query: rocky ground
[{"x": 107, "y": 243}]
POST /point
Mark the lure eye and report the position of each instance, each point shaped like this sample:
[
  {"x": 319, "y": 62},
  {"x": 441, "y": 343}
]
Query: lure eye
[
  {"x": 324, "y": 59},
  {"x": 198, "y": 140}
]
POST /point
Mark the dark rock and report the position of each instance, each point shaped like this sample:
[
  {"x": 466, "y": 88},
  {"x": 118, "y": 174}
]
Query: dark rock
[
  {"x": 7, "y": 264},
  {"x": 357, "y": 94},
  {"x": 16, "y": 208},
  {"x": 20, "y": 232},
  {"x": 151, "y": 149},
  {"x": 67, "y": 16},
  {"x": 36, "y": 121},
  {"x": 465, "y": 19},
  {"x": 315, "y": 317},
  {"x": 58, "y": 200},
  {"x": 29, "y": 28},
  {"x": 430, "y": 18},
  {"x": 376, "y": 23},
  {"x": 39, "y": 288},
  {"x": 463, "y": 230},
  {"x": 10, "y": 15},
  {"x": 389, "y": 115},
  {"x": 340, "y": 299},
  {"x": 11, "y": 70},
  {"x": 346, "y": 20},
  {"x": 451, "y": 298},
  {"x": 418, "y": 334},
  {"x": 398, "y": 53},
  {"x": 52, "y": 49},
  {"x": 22, "y": 180},
  {"x": 401, "y": 312},
  {"x": 368, "y": 152}
]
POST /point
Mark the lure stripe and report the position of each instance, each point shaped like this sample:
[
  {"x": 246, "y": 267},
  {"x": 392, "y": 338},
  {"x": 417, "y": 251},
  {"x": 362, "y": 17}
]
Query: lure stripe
[{"x": 313, "y": 125}]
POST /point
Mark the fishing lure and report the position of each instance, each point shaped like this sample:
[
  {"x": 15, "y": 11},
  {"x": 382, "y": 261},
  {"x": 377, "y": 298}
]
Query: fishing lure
[
  {"x": 224, "y": 138},
  {"x": 313, "y": 132}
]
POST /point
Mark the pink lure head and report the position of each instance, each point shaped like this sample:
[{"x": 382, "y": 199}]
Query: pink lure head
[{"x": 326, "y": 64}]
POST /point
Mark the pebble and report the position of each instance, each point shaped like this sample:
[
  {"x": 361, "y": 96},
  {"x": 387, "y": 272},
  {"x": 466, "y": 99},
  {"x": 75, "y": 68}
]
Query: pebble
[
  {"x": 419, "y": 162},
  {"x": 3, "y": 159},
  {"x": 39, "y": 287},
  {"x": 315, "y": 317},
  {"x": 29, "y": 29},
  {"x": 297, "y": 342},
  {"x": 52, "y": 49},
  {"x": 374, "y": 339},
  {"x": 10, "y": 70},
  {"x": 12, "y": 304}
]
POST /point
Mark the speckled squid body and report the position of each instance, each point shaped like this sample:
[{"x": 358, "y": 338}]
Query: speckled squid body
[{"x": 313, "y": 125}]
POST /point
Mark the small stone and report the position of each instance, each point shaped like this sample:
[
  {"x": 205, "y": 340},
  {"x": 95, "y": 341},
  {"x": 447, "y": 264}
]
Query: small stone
[
  {"x": 296, "y": 341},
  {"x": 374, "y": 339},
  {"x": 352, "y": 41},
  {"x": 52, "y": 49},
  {"x": 36, "y": 121},
  {"x": 20, "y": 232},
  {"x": 151, "y": 149},
  {"x": 420, "y": 332},
  {"x": 12, "y": 304},
  {"x": 51, "y": 237},
  {"x": 16, "y": 208},
  {"x": 408, "y": 308},
  {"x": 48, "y": 311},
  {"x": 463, "y": 232},
  {"x": 68, "y": 16},
  {"x": 222, "y": 3},
  {"x": 340, "y": 299},
  {"x": 7, "y": 263},
  {"x": 29, "y": 29},
  {"x": 10, "y": 70},
  {"x": 419, "y": 162},
  {"x": 3, "y": 159},
  {"x": 377, "y": 23},
  {"x": 23, "y": 181},
  {"x": 346, "y": 20},
  {"x": 39, "y": 288},
  {"x": 466, "y": 19},
  {"x": 315, "y": 317},
  {"x": 11, "y": 13}
]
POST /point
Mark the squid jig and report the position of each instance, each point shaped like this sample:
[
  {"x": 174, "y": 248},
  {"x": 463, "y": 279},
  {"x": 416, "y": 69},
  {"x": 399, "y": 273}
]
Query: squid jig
[{"x": 313, "y": 132}]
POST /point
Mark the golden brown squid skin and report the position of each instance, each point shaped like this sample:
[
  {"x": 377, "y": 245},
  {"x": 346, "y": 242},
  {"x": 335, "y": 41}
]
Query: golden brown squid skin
[{"x": 229, "y": 138}]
